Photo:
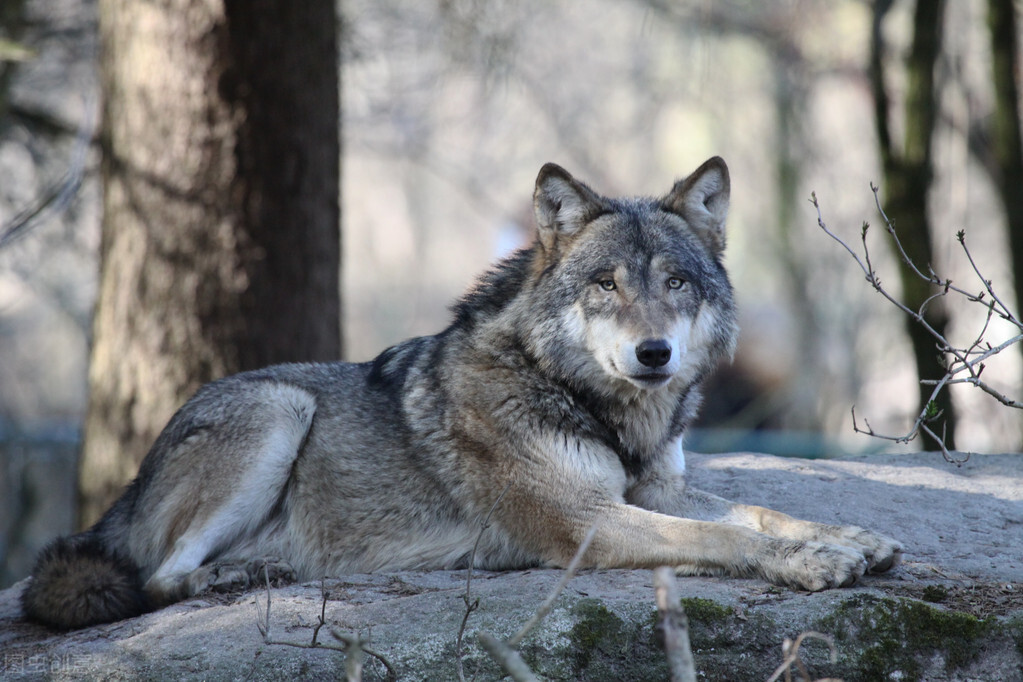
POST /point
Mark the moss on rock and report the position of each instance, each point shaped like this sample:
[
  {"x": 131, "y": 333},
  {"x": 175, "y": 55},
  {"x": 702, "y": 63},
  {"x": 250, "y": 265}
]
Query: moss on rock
[
  {"x": 882, "y": 638},
  {"x": 603, "y": 644}
]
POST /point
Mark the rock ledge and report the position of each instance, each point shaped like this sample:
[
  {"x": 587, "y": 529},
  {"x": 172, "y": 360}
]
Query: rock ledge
[{"x": 953, "y": 611}]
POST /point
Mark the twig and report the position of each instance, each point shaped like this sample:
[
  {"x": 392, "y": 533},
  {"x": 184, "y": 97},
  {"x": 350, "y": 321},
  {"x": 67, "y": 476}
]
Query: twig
[
  {"x": 506, "y": 657},
  {"x": 323, "y": 610},
  {"x": 504, "y": 653},
  {"x": 263, "y": 623},
  {"x": 790, "y": 651},
  {"x": 352, "y": 646},
  {"x": 471, "y": 604},
  {"x": 958, "y": 361},
  {"x": 1004, "y": 309},
  {"x": 673, "y": 626},
  {"x": 548, "y": 603}
]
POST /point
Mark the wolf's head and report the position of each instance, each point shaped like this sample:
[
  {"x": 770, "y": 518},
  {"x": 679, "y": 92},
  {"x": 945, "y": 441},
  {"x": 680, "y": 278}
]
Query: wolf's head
[{"x": 632, "y": 292}]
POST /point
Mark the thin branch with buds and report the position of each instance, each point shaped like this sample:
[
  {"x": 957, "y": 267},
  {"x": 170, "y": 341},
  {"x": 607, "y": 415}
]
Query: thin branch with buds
[
  {"x": 962, "y": 365},
  {"x": 353, "y": 646}
]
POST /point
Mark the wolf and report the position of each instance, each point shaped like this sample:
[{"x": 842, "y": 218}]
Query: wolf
[{"x": 554, "y": 403}]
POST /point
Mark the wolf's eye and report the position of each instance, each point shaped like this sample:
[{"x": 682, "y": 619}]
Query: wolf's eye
[
  {"x": 607, "y": 284},
  {"x": 676, "y": 282}
]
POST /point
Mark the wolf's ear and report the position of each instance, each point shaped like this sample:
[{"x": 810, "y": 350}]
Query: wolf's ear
[
  {"x": 702, "y": 200},
  {"x": 562, "y": 205}
]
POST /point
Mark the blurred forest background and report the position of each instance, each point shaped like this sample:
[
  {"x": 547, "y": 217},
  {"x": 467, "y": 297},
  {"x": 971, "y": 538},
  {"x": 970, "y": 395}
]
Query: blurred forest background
[{"x": 448, "y": 110}]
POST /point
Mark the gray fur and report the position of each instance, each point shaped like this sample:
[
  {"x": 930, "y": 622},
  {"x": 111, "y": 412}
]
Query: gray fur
[{"x": 565, "y": 382}]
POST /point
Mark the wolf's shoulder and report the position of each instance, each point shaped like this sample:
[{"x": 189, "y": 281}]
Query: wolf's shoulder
[{"x": 494, "y": 290}]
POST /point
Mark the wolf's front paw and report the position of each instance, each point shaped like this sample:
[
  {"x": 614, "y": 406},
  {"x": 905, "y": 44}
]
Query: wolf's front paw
[
  {"x": 880, "y": 551},
  {"x": 816, "y": 566}
]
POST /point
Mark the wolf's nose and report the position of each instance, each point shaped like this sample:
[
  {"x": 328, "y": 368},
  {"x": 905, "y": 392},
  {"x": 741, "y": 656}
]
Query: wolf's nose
[{"x": 653, "y": 353}]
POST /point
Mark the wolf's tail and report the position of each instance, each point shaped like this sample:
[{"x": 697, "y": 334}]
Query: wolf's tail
[{"x": 78, "y": 582}]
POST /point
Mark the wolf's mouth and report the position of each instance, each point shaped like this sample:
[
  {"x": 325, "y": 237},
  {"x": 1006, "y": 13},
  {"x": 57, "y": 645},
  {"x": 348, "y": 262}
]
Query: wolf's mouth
[{"x": 653, "y": 379}]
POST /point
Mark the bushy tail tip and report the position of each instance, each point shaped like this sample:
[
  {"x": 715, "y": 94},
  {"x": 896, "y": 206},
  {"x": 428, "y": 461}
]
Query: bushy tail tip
[{"x": 76, "y": 582}]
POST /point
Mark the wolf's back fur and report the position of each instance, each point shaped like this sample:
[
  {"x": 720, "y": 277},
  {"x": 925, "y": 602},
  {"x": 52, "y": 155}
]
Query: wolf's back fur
[{"x": 557, "y": 397}]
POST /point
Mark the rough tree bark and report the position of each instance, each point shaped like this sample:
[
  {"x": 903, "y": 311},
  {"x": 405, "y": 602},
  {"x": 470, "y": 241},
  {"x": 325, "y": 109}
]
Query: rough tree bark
[
  {"x": 220, "y": 240},
  {"x": 908, "y": 175}
]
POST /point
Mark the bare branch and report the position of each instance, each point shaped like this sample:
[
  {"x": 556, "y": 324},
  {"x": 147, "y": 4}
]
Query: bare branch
[
  {"x": 968, "y": 360},
  {"x": 548, "y": 603},
  {"x": 820, "y": 222},
  {"x": 1003, "y": 309},
  {"x": 673, "y": 626},
  {"x": 504, "y": 653},
  {"x": 869, "y": 272},
  {"x": 471, "y": 604},
  {"x": 353, "y": 646},
  {"x": 975, "y": 381},
  {"x": 790, "y": 651},
  {"x": 940, "y": 442},
  {"x": 507, "y": 658},
  {"x": 263, "y": 620},
  {"x": 323, "y": 610}
]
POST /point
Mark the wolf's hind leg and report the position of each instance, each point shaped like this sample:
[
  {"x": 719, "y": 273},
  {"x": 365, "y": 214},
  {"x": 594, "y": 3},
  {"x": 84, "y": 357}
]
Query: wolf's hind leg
[{"x": 230, "y": 515}]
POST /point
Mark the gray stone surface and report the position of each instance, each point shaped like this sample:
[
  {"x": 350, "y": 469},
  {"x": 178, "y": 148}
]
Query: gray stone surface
[
  {"x": 966, "y": 519},
  {"x": 953, "y": 611}
]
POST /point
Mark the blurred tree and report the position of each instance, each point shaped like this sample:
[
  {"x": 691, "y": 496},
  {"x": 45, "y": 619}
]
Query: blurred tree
[
  {"x": 908, "y": 173},
  {"x": 1003, "y": 22},
  {"x": 11, "y": 52},
  {"x": 220, "y": 240}
]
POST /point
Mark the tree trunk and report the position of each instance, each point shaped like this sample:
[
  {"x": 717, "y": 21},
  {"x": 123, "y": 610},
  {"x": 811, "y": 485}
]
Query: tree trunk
[
  {"x": 908, "y": 173},
  {"x": 1007, "y": 146},
  {"x": 220, "y": 241}
]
